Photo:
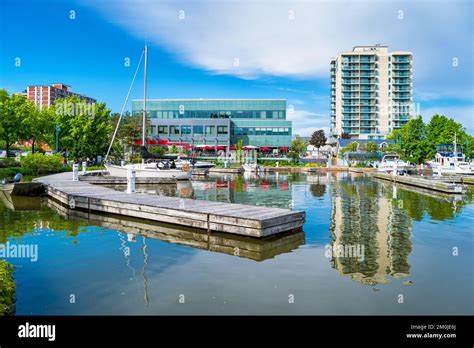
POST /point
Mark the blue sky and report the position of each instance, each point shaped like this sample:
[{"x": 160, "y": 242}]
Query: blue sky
[{"x": 283, "y": 49}]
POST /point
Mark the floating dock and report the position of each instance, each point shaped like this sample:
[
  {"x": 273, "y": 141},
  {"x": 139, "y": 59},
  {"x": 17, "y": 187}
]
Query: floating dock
[
  {"x": 226, "y": 170},
  {"x": 253, "y": 221},
  {"x": 432, "y": 183}
]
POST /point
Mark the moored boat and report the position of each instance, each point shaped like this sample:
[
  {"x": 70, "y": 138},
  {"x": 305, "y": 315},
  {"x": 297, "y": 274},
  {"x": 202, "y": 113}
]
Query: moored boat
[
  {"x": 449, "y": 161},
  {"x": 392, "y": 164},
  {"x": 148, "y": 171}
]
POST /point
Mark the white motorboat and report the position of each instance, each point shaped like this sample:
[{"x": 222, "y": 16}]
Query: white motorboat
[
  {"x": 392, "y": 164},
  {"x": 150, "y": 170},
  {"x": 449, "y": 161},
  {"x": 252, "y": 167},
  {"x": 197, "y": 165}
]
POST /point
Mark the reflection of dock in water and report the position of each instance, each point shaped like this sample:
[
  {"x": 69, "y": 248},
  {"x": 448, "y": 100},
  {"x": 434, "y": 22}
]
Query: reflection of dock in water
[
  {"x": 425, "y": 192},
  {"x": 14, "y": 202},
  {"x": 258, "y": 249}
]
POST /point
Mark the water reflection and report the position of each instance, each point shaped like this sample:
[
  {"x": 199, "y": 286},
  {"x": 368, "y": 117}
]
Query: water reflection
[
  {"x": 129, "y": 266},
  {"x": 377, "y": 216},
  {"x": 240, "y": 246},
  {"x": 362, "y": 215},
  {"x": 272, "y": 191}
]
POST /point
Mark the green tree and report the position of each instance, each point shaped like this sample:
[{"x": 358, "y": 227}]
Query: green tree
[
  {"x": 85, "y": 130},
  {"x": 412, "y": 140},
  {"x": 352, "y": 147},
  {"x": 130, "y": 128},
  {"x": 371, "y": 147},
  {"x": 318, "y": 139},
  {"x": 37, "y": 126},
  {"x": 12, "y": 110},
  {"x": 239, "y": 153},
  {"x": 298, "y": 148},
  {"x": 173, "y": 149},
  {"x": 470, "y": 146},
  {"x": 441, "y": 130}
]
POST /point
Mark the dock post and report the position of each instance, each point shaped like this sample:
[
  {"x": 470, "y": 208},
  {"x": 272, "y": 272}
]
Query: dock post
[
  {"x": 131, "y": 175},
  {"x": 75, "y": 172},
  {"x": 122, "y": 163},
  {"x": 84, "y": 166}
]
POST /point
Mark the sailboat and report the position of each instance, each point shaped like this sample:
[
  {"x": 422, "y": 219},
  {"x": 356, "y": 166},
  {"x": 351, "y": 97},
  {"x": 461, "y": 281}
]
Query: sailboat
[{"x": 160, "y": 169}]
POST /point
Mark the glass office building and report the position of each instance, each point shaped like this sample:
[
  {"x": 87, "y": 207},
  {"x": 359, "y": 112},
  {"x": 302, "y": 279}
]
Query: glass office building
[{"x": 258, "y": 122}]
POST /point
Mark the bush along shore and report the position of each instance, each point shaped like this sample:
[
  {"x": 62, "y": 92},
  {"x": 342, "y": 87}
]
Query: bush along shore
[{"x": 7, "y": 289}]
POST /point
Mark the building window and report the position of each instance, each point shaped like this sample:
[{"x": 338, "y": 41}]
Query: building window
[
  {"x": 263, "y": 114},
  {"x": 174, "y": 130},
  {"x": 210, "y": 130},
  {"x": 185, "y": 130},
  {"x": 221, "y": 130},
  {"x": 198, "y": 130},
  {"x": 162, "y": 129}
]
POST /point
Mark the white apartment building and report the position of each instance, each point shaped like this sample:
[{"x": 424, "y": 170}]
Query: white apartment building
[{"x": 371, "y": 92}]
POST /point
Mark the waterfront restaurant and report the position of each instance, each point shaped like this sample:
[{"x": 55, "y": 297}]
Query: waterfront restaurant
[{"x": 212, "y": 123}]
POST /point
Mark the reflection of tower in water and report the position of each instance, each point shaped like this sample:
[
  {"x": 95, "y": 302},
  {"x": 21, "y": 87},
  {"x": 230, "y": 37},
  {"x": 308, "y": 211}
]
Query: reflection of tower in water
[{"x": 362, "y": 216}]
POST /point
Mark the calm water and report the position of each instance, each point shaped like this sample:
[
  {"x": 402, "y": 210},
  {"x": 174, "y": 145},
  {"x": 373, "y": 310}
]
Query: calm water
[{"x": 116, "y": 266}]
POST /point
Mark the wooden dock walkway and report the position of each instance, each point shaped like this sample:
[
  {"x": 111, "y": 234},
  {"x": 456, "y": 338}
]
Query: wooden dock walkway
[
  {"x": 430, "y": 183},
  {"x": 254, "y": 221}
]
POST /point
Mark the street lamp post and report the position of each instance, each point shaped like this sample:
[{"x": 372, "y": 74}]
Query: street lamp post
[{"x": 58, "y": 129}]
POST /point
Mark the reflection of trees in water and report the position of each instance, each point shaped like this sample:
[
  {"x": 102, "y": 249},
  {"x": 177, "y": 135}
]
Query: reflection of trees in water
[
  {"x": 417, "y": 204},
  {"x": 362, "y": 216},
  {"x": 16, "y": 223},
  {"x": 317, "y": 190}
]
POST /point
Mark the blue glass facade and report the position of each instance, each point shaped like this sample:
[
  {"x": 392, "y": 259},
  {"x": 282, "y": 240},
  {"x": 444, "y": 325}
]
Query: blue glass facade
[{"x": 258, "y": 122}]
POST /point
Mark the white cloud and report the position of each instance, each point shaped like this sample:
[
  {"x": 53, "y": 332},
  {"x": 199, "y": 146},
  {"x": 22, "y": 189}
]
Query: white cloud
[
  {"x": 267, "y": 42},
  {"x": 306, "y": 122}
]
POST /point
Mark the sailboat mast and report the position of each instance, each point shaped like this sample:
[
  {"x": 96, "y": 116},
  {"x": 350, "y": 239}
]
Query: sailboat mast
[
  {"x": 455, "y": 148},
  {"x": 144, "y": 96}
]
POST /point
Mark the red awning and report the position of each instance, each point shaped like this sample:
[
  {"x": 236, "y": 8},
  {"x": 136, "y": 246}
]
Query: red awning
[
  {"x": 232, "y": 148},
  {"x": 220, "y": 147},
  {"x": 265, "y": 149},
  {"x": 208, "y": 148},
  {"x": 148, "y": 142},
  {"x": 162, "y": 142},
  {"x": 284, "y": 149}
]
